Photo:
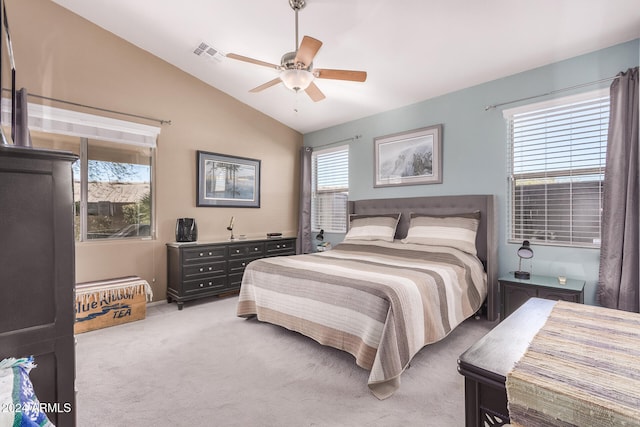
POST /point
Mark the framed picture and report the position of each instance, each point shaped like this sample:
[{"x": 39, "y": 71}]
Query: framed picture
[
  {"x": 409, "y": 158},
  {"x": 227, "y": 181}
]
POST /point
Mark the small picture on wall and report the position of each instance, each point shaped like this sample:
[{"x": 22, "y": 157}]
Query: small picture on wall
[
  {"x": 409, "y": 158},
  {"x": 227, "y": 180}
]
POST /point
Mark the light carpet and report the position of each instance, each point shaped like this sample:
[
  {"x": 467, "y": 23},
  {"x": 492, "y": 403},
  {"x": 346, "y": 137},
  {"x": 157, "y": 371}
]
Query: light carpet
[{"x": 203, "y": 366}]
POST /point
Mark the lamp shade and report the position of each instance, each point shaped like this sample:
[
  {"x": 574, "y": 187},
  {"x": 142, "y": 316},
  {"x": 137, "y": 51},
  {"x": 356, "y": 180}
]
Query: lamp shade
[
  {"x": 296, "y": 79},
  {"x": 524, "y": 252}
]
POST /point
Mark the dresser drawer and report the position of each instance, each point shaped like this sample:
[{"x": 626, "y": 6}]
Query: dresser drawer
[
  {"x": 235, "y": 280},
  {"x": 245, "y": 250},
  {"x": 238, "y": 265},
  {"x": 206, "y": 284},
  {"x": 216, "y": 268},
  {"x": 204, "y": 253},
  {"x": 281, "y": 247}
]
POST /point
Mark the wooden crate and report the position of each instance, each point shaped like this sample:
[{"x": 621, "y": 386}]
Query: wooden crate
[{"x": 110, "y": 302}]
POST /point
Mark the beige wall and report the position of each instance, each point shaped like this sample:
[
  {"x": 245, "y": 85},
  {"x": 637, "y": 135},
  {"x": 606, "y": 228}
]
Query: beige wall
[{"x": 63, "y": 56}]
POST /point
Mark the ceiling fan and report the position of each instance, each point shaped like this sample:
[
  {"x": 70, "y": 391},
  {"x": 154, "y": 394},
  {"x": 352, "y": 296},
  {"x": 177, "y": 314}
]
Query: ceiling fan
[{"x": 296, "y": 68}]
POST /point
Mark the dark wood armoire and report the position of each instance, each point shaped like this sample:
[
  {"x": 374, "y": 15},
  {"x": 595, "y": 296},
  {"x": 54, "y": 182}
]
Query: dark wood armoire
[{"x": 37, "y": 270}]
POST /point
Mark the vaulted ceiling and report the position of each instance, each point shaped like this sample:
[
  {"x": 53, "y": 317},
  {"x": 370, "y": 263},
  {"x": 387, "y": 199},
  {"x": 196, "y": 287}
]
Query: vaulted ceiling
[{"x": 412, "y": 50}]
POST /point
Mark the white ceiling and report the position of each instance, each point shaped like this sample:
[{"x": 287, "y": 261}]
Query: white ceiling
[{"x": 412, "y": 50}]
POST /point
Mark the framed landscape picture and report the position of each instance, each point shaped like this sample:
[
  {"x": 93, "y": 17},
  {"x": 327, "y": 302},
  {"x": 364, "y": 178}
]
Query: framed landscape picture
[
  {"x": 409, "y": 158},
  {"x": 227, "y": 180}
]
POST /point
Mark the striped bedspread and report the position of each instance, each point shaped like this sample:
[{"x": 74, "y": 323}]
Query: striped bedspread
[{"x": 382, "y": 302}]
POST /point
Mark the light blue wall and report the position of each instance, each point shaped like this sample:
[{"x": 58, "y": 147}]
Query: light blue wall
[{"x": 474, "y": 147}]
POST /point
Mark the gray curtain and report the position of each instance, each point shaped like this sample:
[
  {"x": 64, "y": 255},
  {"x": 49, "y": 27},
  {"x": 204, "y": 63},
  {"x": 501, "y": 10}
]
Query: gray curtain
[
  {"x": 619, "y": 277},
  {"x": 305, "y": 243}
]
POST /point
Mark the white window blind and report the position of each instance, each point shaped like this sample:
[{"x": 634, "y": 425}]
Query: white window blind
[
  {"x": 557, "y": 163},
  {"x": 73, "y": 123},
  {"x": 330, "y": 189}
]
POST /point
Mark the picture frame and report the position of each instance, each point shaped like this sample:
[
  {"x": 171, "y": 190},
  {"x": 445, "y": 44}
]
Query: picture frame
[
  {"x": 227, "y": 181},
  {"x": 409, "y": 158}
]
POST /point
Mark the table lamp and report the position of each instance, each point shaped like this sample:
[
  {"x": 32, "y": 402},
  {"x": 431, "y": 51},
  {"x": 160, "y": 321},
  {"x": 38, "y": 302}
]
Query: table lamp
[{"x": 525, "y": 252}]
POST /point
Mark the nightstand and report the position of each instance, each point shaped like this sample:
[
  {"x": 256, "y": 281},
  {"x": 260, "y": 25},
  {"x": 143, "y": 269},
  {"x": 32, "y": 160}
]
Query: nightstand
[{"x": 515, "y": 292}]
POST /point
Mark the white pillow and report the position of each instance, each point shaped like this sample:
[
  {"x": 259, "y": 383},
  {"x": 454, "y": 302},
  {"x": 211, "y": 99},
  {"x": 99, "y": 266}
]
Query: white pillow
[
  {"x": 373, "y": 227},
  {"x": 455, "y": 231}
]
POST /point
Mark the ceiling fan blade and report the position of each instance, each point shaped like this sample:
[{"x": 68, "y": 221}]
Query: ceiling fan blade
[
  {"x": 351, "y": 75},
  {"x": 266, "y": 85},
  {"x": 307, "y": 50},
  {"x": 314, "y": 93},
  {"x": 252, "y": 61}
]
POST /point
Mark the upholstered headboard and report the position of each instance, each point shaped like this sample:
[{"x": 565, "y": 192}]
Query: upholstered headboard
[{"x": 486, "y": 238}]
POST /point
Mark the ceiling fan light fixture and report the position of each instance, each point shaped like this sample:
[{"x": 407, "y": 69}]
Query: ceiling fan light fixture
[{"x": 296, "y": 80}]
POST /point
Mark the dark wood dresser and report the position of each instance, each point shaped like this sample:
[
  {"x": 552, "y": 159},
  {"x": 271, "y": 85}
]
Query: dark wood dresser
[
  {"x": 198, "y": 270},
  {"x": 37, "y": 271},
  {"x": 485, "y": 364}
]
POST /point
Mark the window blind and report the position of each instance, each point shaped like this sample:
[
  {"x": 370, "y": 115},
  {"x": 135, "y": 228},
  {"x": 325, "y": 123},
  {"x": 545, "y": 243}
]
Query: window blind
[
  {"x": 557, "y": 164},
  {"x": 72, "y": 123},
  {"x": 330, "y": 190}
]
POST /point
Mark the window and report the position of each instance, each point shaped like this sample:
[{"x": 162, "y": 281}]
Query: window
[
  {"x": 330, "y": 189},
  {"x": 113, "y": 190},
  {"x": 557, "y": 161}
]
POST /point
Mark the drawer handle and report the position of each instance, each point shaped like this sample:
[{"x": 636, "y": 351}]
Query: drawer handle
[
  {"x": 277, "y": 246},
  {"x": 210, "y": 268},
  {"x": 201, "y": 285},
  {"x": 201, "y": 254},
  {"x": 256, "y": 249},
  {"x": 210, "y": 283},
  {"x": 237, "y": 251},
  {"x": 244, "y": 264},
  {"x": 210, "y": 253},
  {"x": 201, "y": 269}
]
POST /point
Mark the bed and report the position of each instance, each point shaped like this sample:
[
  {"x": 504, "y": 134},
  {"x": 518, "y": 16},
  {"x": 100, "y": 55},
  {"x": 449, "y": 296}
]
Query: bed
[{"x": 407, "y": 273}]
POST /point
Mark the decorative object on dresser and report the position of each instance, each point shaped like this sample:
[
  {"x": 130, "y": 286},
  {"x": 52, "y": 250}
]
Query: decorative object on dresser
[
  {"x": 208, "y": 269},
  {"x": 515, "y": 292},
  {"x": 37, "y": 271},
  {"x": 230, "y": 228},
  {"x": 409, "y": 158},
  {"x": 186, "y": 230},
  {"x": 223, "y": 180}
]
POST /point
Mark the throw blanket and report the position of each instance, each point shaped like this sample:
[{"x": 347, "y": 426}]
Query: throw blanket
[
  {"x": 114, "y": 289},
  {"x": 19, "y": 405},
  {"x": 382, "y": 302},
  {"x": 582, "y": 368}
]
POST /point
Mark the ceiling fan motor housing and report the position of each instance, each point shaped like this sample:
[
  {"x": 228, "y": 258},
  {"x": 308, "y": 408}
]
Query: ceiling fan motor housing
[
  {"x": 297, "y": 4},
  {"x": 288, "y": 62}
]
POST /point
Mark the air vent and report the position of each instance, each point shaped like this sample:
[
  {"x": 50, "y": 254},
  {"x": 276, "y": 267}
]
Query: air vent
[{"x": 205, "y": 50}]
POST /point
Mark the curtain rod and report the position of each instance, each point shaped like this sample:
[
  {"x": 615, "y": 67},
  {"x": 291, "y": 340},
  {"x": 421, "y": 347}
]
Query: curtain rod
[
  {"x": 351, "y": 138},
  {"x": 491, "y": 107},
  {"x": 161, "y": 121}
]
